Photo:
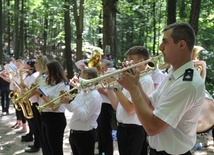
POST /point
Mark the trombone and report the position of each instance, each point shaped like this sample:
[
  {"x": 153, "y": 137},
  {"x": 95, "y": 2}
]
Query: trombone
[{"x": 99, "y": 82}]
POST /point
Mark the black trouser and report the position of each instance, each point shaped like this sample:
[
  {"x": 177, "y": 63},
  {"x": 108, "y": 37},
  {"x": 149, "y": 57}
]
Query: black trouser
[
  {"x": 34, "y": 128},
  {"x": 20, "y": 116},
  {"x": 154, "y": 152},
  {"x": 104, "y": 130},
  {"x": 131, "y": 139},
  {"x": 53, "y": 126},
  {"x": 5, "y": 101},
  {"x": 82, "y": 142}
]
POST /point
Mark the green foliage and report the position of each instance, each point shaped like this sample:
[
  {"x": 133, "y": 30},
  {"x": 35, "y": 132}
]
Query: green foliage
[{"x": 138, "y": 23}]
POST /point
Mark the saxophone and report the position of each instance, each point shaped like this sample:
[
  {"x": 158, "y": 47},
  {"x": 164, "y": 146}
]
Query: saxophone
[{"x": 25, "y": 103}]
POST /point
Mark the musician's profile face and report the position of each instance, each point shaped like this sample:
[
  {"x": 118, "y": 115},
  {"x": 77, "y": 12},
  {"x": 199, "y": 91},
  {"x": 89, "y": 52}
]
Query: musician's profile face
[
  {"x": 134, "y": 58},
  {"x": 83, "y": 76}
]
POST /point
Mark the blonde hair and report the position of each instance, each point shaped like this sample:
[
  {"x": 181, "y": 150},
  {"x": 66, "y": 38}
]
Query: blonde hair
[
  {"x": 42, "y": 60},
  {"x": 196, "y": 51}
]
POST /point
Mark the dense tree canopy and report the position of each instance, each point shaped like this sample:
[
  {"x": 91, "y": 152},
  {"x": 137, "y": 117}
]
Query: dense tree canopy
[{"x": 30, "y": 27}]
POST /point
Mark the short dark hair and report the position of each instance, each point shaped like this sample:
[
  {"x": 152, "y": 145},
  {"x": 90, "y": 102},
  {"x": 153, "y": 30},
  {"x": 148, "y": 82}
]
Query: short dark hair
[
  {"x": 182, "y": 31},
  {"x": 108, "y": 63},
  {"x": 140, "y": 51},
  {"x": 90, "y": 72}
]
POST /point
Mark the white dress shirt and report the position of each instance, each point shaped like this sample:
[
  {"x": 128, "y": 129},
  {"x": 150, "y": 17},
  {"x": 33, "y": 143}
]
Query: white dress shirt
[
  {"x": 121, "y": 115},
  {"x": 86, "y": 108},
  {"x": 53, "y": 92},
  {"x": 178, "y": 103}
]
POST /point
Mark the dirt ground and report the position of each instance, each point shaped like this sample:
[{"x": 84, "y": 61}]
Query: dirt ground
[{"x": 10, "y": 139}]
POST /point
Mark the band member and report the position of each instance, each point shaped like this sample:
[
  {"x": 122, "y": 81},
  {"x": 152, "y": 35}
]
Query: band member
[
  {"x": 53, "y": 119},
  {"x": 104, "y": 129},
  {"x": 28, "y": 81},
  {"x": 4, "y": 89},
  {"x": 131, "y": 135},
  {"x": 15, "y": 85},
  {"x": 86, "y": 108},
  {"x": 170, "y": 114},
  {"x": 35, "y": 122},
  {"x": 200, "y": 65}
]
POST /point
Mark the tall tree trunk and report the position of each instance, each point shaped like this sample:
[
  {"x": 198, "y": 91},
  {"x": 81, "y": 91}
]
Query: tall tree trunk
[
  {"x": 8, "y": 27},
  {"x": 194, "y": 15},
  {"x": 78, "y": 17},
  {"x": 109, "y": 25},
  {"x": 154, "y": 29},
  {"x": 67, "y": 51},
  {"x": 171, "y": 11},
  {"x": 182, "y": 9},
  {"x": 16, "y": 30},
  {"x": 21, "y": 34},
  {"x": 45, "y": 34},
  {"x": 1, "y": 51}
]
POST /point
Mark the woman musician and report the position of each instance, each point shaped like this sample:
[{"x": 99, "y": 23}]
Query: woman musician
[
  {"x": 35, "y": 121},
  {"x": 53, "y": 120}
]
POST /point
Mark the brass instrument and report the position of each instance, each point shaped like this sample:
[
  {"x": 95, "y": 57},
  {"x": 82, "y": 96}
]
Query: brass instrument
[
  {"x": 22, "y": 102},
  {"x": 42, "y": 107},
  {"x": 13, "y": 95},
  {"x": 95, "y": 62},
  {"x": 28, "y": 92},
  {"x": 99, "y": 81},
  {"x": 25, "y": 105}
]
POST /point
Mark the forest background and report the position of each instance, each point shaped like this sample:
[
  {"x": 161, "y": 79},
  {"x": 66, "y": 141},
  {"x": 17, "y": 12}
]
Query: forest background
[{"x": 70, "y": 29}]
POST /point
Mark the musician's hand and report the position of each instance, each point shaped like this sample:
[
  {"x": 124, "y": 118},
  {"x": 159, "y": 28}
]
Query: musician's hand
[
  {"x": 128, "y": 80},
  {"x": 36, "y": 92},
  {"x": 65, "y": 99},
  {"x": 74, "y": 81}
]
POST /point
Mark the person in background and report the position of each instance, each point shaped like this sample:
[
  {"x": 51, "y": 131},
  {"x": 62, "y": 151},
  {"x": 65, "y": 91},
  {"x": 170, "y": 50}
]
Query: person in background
[
  {"x": 170, "y": 114},
  {"x": 104, "y": 129},
  {"x": 200, "y": 65},
  {"x": 86, "y": 107},
  {"x": 157, "y": 77},
  {"x": 35, "y": 122},
  {"x": 29, "y": 80},
  {"x": 53, "y": 118},
  {"x": 131, "y": 135},
  {"x": 15, "y": 85},
  {"x": 4, "y": 90}
]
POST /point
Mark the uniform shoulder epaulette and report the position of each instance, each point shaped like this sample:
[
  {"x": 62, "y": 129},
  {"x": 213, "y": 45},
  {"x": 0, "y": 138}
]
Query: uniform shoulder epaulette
[{"x": 188, "y": 75}]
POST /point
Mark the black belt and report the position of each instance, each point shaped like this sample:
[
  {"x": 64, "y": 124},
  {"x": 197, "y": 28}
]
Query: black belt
[
  {"x": 80, "y": 131},
  {"x": 155, "y": 152},
  {"x": 128, "y": 125}
]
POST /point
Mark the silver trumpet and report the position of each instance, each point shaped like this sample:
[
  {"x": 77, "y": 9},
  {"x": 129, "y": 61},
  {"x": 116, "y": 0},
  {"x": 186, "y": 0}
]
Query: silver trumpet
[{"x": 100, "y": 82}]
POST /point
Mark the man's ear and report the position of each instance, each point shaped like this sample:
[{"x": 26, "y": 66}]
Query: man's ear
[{"x": 182, "y": 44}]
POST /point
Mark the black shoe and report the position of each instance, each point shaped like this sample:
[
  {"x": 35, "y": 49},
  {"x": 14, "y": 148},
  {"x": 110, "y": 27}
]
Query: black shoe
[
  {"x": 30, "y": 145},
  {"x": 28, "y": 139},
  {"x": 27, "y": 135},
  {"x": 31, "y": 149}
]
